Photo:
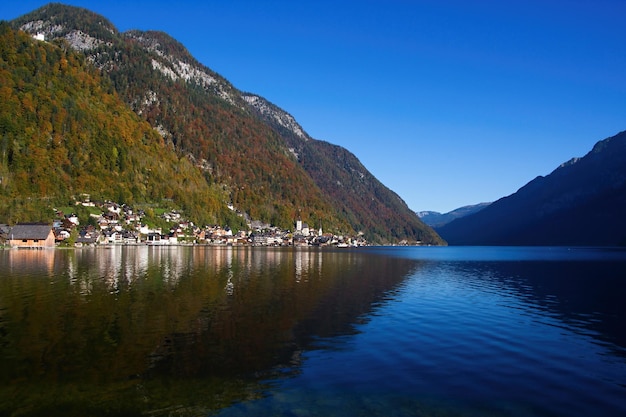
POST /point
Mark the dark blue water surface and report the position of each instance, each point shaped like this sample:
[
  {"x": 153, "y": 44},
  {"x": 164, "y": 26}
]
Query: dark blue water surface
[
  {"x": 199, "y": 331},
  {"x": 475, "y": 331}
]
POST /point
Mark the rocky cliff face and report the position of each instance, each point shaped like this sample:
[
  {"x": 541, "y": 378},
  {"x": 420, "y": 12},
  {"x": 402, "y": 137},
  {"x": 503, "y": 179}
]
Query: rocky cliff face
[{"x": 276, "y": 116}]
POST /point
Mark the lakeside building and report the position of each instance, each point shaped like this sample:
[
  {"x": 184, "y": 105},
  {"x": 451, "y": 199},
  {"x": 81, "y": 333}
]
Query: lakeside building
[{"x": 31, "y": 236}]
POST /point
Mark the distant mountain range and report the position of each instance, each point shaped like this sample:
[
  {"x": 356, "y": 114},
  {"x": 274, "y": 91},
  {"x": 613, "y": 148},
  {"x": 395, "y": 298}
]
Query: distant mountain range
[
  {"x": 435, "y": 219},
  {"x": 582, "y": 202},
  {"x": 209, "y": 145}
]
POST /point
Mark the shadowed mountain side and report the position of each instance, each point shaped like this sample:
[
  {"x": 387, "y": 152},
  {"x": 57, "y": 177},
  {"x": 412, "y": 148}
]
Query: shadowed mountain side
[{"x": 582, "y": 202}]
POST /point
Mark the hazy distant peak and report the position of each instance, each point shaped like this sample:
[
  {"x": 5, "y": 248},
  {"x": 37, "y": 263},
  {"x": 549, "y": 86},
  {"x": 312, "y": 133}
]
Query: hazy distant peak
[{"x": 436, "y": 219}]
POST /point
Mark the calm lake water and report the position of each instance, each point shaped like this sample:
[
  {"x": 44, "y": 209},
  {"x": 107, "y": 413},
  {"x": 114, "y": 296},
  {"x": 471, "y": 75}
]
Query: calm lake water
[{"x": 196, "y": 331}]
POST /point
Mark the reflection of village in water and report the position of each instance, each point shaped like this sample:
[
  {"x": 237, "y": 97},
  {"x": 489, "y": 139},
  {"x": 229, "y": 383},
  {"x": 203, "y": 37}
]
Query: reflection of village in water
[{"x": 122, "y": 266}]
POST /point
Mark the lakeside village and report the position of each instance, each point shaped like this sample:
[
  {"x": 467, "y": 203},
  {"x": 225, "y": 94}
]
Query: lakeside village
[{"x": 117, "y": 224}]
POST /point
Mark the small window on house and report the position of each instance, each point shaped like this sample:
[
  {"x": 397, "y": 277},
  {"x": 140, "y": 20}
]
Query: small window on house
[
  {"x": 36, "y": 240},
  {"x": 24, "y": 241}
]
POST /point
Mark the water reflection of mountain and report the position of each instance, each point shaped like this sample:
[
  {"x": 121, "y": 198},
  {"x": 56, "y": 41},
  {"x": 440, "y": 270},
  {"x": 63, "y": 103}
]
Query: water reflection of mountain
[
  {"x": 583, "y": 288},
  {"x": 585, "y": 296},
  {"x": 276, "y": 303},
  {"x": 147, "y": 328}
]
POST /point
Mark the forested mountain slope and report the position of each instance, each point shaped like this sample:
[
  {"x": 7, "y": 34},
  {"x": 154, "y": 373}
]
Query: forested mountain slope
[
  {"x": 64, "y": 131},
  {"x": 206, "y": 120}
]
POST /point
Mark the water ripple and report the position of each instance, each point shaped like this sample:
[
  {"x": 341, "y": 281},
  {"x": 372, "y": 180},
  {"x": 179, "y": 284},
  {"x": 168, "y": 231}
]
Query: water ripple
[{"x": 470, "y": 334}]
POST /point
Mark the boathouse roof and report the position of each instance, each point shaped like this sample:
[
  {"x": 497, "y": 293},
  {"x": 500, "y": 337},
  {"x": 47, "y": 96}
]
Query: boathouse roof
[{"x": 30, "y": 231}]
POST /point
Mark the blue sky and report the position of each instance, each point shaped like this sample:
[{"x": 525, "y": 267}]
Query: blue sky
[{"x": 447, "y": 102}]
